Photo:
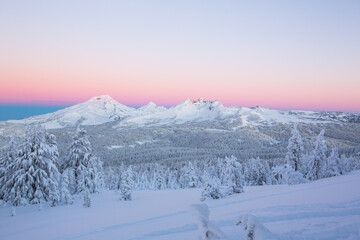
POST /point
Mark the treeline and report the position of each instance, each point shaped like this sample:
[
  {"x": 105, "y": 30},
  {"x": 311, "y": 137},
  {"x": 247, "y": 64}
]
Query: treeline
[
  {"x": 297, "y": 167},
  {"x": 32, "y": 172}
]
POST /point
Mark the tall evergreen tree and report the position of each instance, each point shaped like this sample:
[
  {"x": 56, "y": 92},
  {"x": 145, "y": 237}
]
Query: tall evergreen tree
[
  {"x": 294, "y": 149},
  {"x": 158, "y": 181},
  {"x": 233, "y": 176},
  {"x": 317, "y": 159},
  {"x": 255, "y": 172},
  {"x": 9, "y": 155},
  {"x": 126, "y": 184},
  {"x": 212, "y": 187},
  {"x": 34, "y": 173},
  {"x": 65, "y": 195},
  {"x": 189, "y": 178},
  {"x": 333, "y": 163},
  {"x": 84, "y": 167}
]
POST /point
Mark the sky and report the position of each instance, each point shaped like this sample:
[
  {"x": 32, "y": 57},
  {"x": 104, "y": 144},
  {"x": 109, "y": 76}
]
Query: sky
[{"x": 275, "y": 54}]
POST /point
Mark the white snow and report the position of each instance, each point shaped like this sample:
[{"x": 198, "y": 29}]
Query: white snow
[
  {"x": 324, "y": 209},
  {"x": 97, "y": 110},
  {"x": 103, "y": 109}
]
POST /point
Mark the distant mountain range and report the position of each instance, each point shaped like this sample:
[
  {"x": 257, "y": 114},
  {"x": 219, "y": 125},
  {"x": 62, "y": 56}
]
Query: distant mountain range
[{"x": 103, "y": 109}]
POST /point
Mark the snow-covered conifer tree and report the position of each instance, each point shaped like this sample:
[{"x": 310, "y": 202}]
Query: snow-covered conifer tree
[
  {"x": 345, "y": 165},
  {"x": 189, "y": 178},
  {"x": 233, "y": 177},
  {"x": 85, "y": 167},
  {"x": 255, "y": 172},
  {"x": 119, "y": 174},
  {"x": 126, "y": 185},
  {"x": 333, "y": 163},
  {"x": 10, "y": 154},
  {"x": 317, "y": 159},
  {"x": 286, "y": 174},
  {"x": 144, "y": 180},
  {"x": 212, "y": 187},
  {"x": 65, "y": 195},
  {"x": 173, "y": 180},
  {"x": 158, "y": 181},
  {"x": 34, "y": 173},
  {"x": 294, "y": 149}
]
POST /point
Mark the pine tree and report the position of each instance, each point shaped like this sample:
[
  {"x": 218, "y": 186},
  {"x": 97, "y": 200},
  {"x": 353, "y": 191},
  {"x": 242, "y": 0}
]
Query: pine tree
[
  {"x": 65, "y": 195},
  {"x": 317, "y": 159},
  {"x": 233, "y": 177},
  {"x": 158, "y": 181},
  {"x": 10, "y": 154},
  {"x": 85, "y": 167},
  {"x": 212, "y": 188},
  {"x": 126, "y": 185},
  {"x": 173, "y": 182},
  {"x": 255, "y": 172},
  {"x": 189, "y": 178},
  {"x": 345, "y": 164},
  {"x": 34, "y": 173},
  {"x": 333, "y": 163},
  {"x": 295, "y": 148}
]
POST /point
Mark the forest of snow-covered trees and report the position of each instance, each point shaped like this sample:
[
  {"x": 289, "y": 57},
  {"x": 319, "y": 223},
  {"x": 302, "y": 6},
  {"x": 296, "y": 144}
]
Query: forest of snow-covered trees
[{"x": 31, "y": 170}]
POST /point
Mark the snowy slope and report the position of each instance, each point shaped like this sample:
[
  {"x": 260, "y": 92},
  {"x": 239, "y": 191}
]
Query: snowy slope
[
  {"x": 325, "y": 209},
  {"x": 97, "y": 110},
  {"x": 103, "y": 109}
]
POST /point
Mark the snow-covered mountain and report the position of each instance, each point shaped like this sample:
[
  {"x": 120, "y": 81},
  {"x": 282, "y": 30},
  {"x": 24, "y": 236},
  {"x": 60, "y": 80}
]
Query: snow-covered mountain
[
  {"x": 97, "y": 110},
  {"x": 103, "y": 109}
]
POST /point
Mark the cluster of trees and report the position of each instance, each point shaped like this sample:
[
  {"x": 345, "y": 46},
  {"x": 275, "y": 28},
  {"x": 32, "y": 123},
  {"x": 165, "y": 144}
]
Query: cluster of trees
[
  {"x": 228, "y": 175},
  {"x": 30, "y": 171},
  {"x": 317, "y": 164}
]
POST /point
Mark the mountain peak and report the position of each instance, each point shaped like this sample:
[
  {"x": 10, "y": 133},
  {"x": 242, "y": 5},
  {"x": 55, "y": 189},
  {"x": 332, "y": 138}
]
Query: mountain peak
[
  {"x": 203, "y": 101},
  {"x": 104, "y": 98},
  {"x": 150, "y": 104},
  {"x": 149, "y": 107}
]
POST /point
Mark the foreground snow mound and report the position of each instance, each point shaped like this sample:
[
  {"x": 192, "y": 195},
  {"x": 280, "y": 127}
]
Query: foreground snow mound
[
  {"x": 325, "y": 209},
  {"x": 254, "y": 229},
  {"x": 208, "y": 231}
]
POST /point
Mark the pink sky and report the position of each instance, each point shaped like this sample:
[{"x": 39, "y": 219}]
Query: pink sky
[{"x": 242, "y": 54}]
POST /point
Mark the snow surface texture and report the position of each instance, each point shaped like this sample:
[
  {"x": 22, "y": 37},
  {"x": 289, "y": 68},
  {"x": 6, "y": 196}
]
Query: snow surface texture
[
  {"x": 324, "y": 209},
  {"x": 103, "y": 109}
]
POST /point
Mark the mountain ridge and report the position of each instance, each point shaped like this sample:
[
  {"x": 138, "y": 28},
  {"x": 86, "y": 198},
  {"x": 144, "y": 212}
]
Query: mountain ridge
[{"x": 103, "y": 108}]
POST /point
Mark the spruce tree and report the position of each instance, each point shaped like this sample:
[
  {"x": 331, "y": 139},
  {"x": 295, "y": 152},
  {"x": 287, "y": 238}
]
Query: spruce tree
[
  {"x": 317, "y": 159},
  {"x": 189, "y": 178},
  {"x": 126, "y": 185},
  {"x": 233, "y": 177},
  {"x": 212, "y": 187},
  {"x": 84, "y": 166},
  {"x": 8, "y": 157},
  {"x": 65, "y": 195},
  {"x": 34, "y": 173},
  {"x": 333, "y": 163},
  {"x": 294, "y": 149}
]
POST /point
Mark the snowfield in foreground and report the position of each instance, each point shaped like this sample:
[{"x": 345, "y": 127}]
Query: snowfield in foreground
[{"x": 324, "y": 209}]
